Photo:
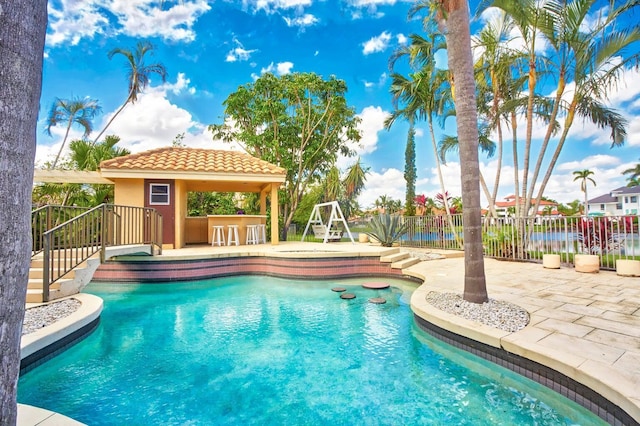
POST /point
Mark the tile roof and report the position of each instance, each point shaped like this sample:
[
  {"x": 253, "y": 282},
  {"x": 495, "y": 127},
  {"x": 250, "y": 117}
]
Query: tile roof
[{"x": 193, "y": 160}]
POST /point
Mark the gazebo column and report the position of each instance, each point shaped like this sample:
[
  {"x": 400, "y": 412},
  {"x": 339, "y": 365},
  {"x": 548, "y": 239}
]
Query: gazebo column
[
  {"x": 263, "y": 202},
  {"x": 275, "y": 232}
]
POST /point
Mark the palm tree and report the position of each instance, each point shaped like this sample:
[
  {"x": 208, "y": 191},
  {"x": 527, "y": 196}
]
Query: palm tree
[
  {"x": 354, "y": 180},
  {"x": 79, "y": 111},
  {"x": 138, "y": 74},
  {"x": 584, "y": 177},
  {"x": 593, "y": 61},
  {"x": 456, "y": 19},
  {"x": 634, "y": 177}
]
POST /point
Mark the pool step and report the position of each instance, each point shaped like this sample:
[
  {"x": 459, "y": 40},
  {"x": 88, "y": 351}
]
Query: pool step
[
  {"x": 405, "y": 263},
  {"x": 395, "y": 257}
]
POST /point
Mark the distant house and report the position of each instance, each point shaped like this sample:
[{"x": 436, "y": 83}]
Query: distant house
[
  {"x": 507, "y": 207},
  {"x": 618, "y": 202}
]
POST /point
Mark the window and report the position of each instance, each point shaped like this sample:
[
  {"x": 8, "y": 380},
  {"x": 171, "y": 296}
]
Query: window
[
  {"x": 602, "y": 207},
  {"x": 619, "y": 206},
  {"x": 159, "y": 194},
  {"x": 626, "y": 200},
  {"x": 634, "y": 199}
]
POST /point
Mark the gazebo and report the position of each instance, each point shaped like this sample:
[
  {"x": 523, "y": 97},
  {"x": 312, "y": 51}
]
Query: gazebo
[{"x": 162, "y": 178}]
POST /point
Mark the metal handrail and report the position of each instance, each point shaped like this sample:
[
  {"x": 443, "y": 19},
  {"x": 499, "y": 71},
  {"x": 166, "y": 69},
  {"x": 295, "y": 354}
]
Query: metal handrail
[
  {"x": 68, "y": 244},
  {"x": 46, "y": 217}
]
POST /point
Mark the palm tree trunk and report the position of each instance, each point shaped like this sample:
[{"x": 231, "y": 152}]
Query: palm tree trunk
[
  {"x": 66, "y": 135},
  {"x": 545, "y": 142},
  {"x": 22, "y": 32},
  {"x": 461, "y": 62},
  {"x": 112, "y": 118},
  {"x": 556, "y": 154}
]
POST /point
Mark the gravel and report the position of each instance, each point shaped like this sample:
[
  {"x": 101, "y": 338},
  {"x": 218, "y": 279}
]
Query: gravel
[
  {"x": 42, "y": 316},
  {"x": 494, "y": 313}
]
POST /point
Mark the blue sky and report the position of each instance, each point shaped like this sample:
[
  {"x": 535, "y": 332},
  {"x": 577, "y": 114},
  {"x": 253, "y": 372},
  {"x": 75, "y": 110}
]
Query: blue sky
[{"x": 211, "y": 47}]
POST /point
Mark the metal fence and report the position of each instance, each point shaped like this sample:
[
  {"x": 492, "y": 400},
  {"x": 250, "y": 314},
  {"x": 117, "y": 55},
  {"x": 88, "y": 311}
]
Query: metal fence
[
  {"x": 528, "y": 239},
  {"x": 66, "y": 245}
]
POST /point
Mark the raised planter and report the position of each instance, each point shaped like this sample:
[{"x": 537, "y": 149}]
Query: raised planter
[
  {"x": 551, "y": 261},
  {"x": 589, "y": 263},
  {"x": 628, "y": 267}
]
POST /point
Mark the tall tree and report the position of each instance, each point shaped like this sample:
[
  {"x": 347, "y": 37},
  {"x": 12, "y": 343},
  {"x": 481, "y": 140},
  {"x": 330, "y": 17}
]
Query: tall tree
[
  {"x": 455, "y": 14},
  {"x": 80, "y": 111},
  {"x": 584, "y": 176},
  {"x": 22, "y": 31},
  {"x": 138, "y": 75},
  {"x": 299, "y": 122},
  {"x": 410, "y": 172}
]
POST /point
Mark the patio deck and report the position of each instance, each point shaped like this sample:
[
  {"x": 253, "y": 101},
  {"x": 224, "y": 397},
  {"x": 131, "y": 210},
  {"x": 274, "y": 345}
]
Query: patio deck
[{"x": 586, "y": 326}]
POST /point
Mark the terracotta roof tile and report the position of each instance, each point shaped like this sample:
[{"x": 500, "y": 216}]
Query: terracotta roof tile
[{"x": 193, "y": 160}]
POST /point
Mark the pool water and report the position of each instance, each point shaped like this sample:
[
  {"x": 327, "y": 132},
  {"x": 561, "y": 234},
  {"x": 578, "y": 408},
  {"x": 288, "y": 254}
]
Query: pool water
[{"x": 267, "y": 351}]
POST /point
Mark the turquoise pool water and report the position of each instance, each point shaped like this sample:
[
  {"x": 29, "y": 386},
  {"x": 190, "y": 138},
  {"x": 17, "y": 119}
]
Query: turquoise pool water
[{"x": 268, "y": 351}]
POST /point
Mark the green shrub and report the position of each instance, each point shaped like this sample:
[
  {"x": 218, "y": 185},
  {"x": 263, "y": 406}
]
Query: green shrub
[{"x": 387, "y": 229}]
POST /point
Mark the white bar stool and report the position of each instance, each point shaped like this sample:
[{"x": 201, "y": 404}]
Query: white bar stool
[
  {"x": 252, "y": 234},
  {"x": 262, "y": 233},
  {"x": 217, "y": 238},
  {"x": 232, "y": 236}
]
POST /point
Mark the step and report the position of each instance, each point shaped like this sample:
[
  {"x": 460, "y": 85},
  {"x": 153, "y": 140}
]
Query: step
[
  {"x": 35, "y": 295},
  {"x": 36, "y": 283},
  {"x": 405, "y": 263},
  {"x": 36, "y": 273},
  {"x": 396, "y": 257}
]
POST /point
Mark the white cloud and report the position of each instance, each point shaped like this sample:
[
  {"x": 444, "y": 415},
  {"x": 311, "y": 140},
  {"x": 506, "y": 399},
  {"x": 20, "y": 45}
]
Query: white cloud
[
  {"x": 390, "y": 183},
  {"x": 305, "y": 20},
  {"x": 372, "y": 123},
  {"x": 74, "y": 20},
  {"x": 376, "y": 44},
  {"x": 381, "y": 81},
  {"x": 150, "y": 123},
  {"x": 372, "y": 3},
  {"x": 281, "y": 68},
  {"x": 402, "y": 39},
  {"x": 270, "y": 6},
  {"x": 238, "y": 53}
]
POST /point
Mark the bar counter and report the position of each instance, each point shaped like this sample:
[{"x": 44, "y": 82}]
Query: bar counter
[{"x": 242, "y": 220}]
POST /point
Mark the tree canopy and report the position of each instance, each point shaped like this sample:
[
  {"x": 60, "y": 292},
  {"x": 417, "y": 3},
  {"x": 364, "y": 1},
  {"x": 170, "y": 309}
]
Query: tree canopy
[{"x": 300, "y": 122}]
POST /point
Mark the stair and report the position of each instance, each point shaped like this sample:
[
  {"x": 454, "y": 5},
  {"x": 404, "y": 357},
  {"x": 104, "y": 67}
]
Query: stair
[
  {"x": 61, "y": 288},
  {"x": 398, "y": 259}
]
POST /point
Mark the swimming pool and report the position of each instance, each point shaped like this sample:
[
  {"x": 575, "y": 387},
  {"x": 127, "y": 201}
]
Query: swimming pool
[{"x": 262, "y": 350}]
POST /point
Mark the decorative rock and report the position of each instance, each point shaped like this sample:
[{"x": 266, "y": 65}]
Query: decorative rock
[
  {"x": 589, "y": 263},
  {"x": 378, "y": 300},
  {"x": 338, "y": 289},
  {"x": 551, "y": 261},
  {"x": 347, "y": 296},
  {"x": 363, "y": 238},
  {"x": 375, "y": 285}
]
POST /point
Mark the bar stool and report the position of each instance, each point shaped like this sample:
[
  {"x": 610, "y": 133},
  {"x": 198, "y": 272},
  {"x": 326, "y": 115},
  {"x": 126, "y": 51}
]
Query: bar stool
[
  {"x": 262, "y": 233},
  {"x": 252, "y": 234},
  {"x": 232, "y": 236},
  {"x": 217, "y": 238}
]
